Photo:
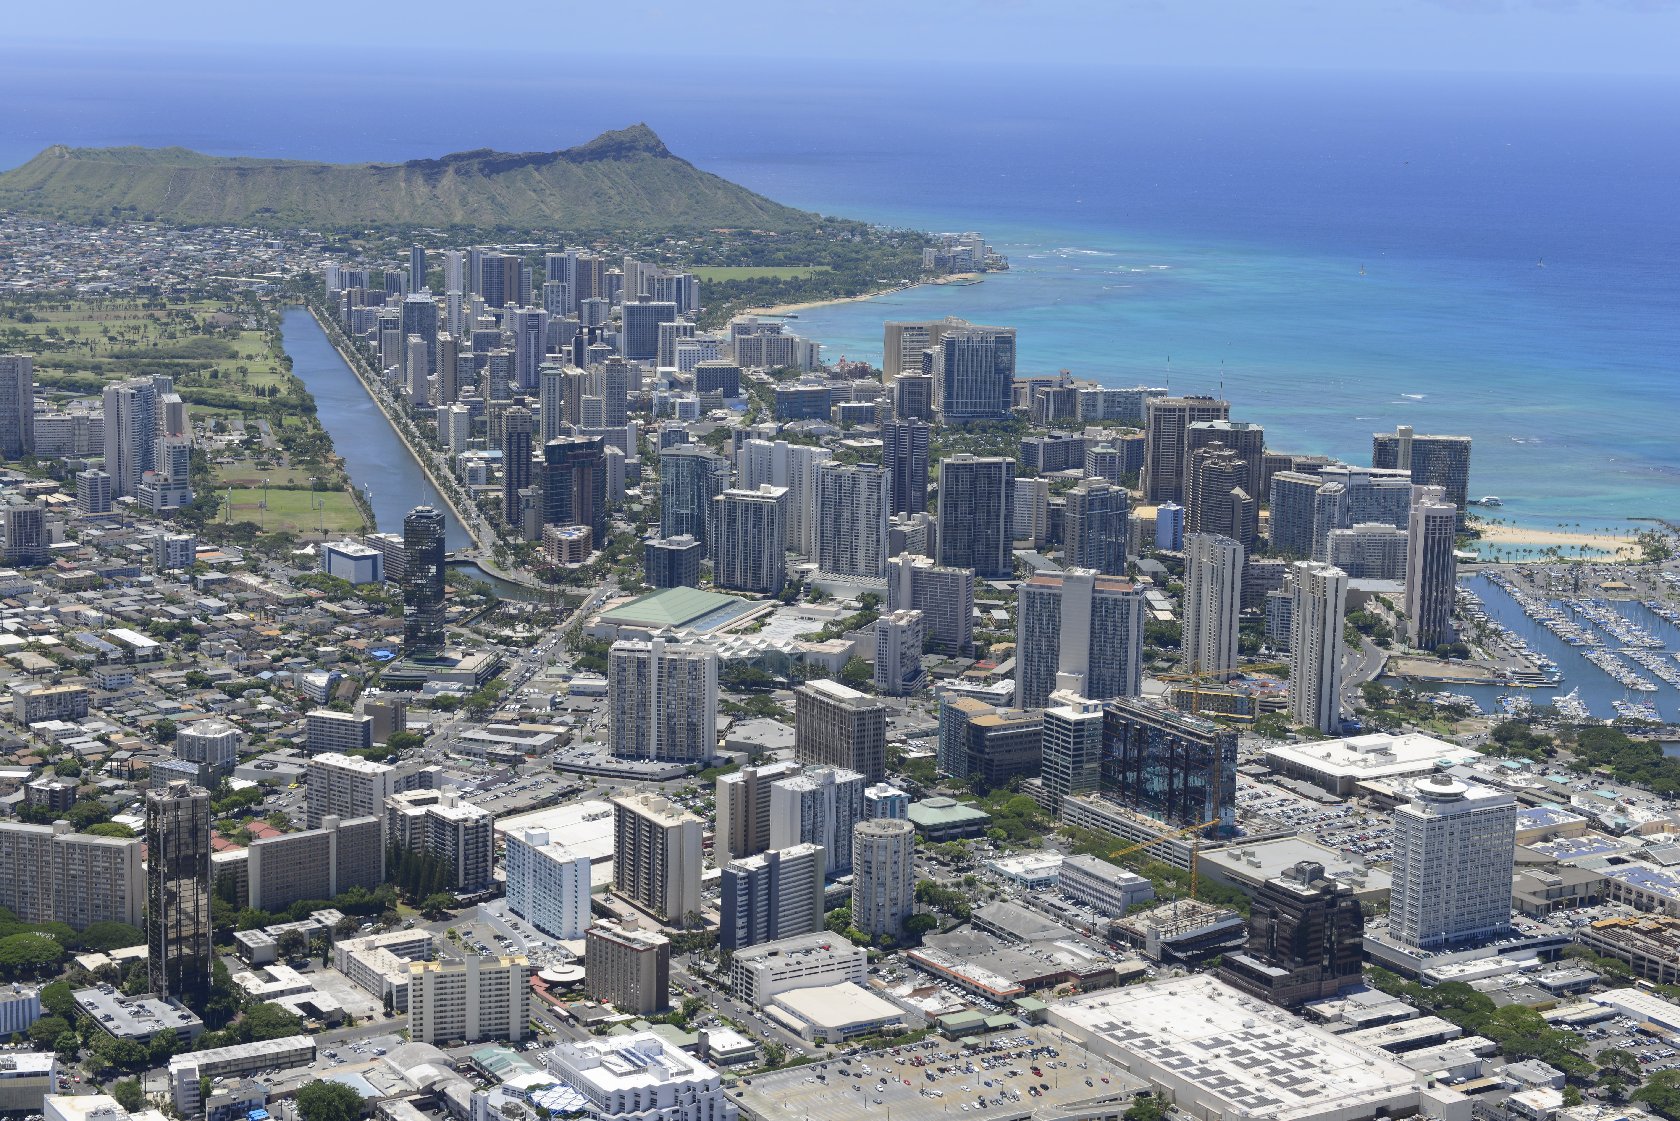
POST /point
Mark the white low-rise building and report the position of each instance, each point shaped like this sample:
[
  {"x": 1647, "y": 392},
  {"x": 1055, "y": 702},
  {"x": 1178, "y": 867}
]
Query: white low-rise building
[
  {"x": 831, "y": 1013},
  {"x": 1338, "y": 766},
  {"x": 759, "y": 973},
  {"x": 641, "y": 1077},
  {"x": 1104, "y": 887},
  {"x": 1217, "y": 1053}
]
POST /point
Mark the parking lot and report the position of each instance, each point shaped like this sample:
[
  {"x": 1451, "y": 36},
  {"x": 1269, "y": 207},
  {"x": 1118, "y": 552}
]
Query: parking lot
[{"x": 999, "y": 1077}]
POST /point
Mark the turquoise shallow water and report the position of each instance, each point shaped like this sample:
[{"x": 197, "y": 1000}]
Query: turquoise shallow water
[{"x": 1324, "y": 356}]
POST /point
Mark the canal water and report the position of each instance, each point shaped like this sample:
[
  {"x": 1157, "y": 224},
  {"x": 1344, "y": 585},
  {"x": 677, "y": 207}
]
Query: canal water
[
  {"x": 1597, "y": 688},
  {"x": 378, "y": 462}
]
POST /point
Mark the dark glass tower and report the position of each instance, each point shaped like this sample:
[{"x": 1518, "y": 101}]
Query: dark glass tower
[
  {"x": 422, "y": 585},
  {"x": 178, "y": 926}
]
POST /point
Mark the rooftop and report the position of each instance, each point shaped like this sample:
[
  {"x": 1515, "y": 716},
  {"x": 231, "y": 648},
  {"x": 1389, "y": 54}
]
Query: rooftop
[
  {"x": 678, "y": 609},
  {"x": 1242, "y": 1057}
]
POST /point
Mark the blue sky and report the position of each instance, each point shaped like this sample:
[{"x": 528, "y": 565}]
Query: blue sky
[{"x": 1560, "y": 36}]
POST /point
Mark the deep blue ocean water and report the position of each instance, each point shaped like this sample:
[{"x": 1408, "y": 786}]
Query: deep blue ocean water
[{"x": 1518, "y": 236}]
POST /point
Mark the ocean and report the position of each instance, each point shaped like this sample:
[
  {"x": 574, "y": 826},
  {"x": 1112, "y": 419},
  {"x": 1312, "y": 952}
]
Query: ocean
[{"x": 1337, "y": 252}]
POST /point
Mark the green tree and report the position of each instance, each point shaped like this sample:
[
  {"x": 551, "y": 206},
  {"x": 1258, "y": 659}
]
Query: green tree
[
  {"x": 56, "y": 996},
  {"x": 112, "y": 829},
  {"x": 858, "y": 674},
  {"x": 267, "y": 1021},
  {"x": 1146, "y": 1109},
  {"x": 29, "y": 954},
  {"x": 437, "y": 904},
  {"x": 328, "y": 1101},
  {"x": 129, "y": 1095},
  {"x": 44, "y": 1033},
  {"x": 1662, "y": 1094}
]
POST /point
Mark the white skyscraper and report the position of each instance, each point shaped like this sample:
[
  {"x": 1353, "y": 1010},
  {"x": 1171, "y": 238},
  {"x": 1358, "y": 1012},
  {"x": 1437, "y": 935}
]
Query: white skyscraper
[
  {"x": 1454, "y": 846},
  {"x": 130, "y": 433},
  {"x": 1213, "y": 567},
  {"x": 818, "y": 807},
  {"x": 898, "y": 653},
  {"x": 794, "y": 466},
  {"x": 1032, "y": 511},
  {"x": 663, "y": 700},
  {"x": 1431, "y": 569},
  {"x": 1072, "y": 745},
  {"x": 883, "y": 875},
  {"x": 547, "y": 883},
  {"x": 1318, "y": 597}
]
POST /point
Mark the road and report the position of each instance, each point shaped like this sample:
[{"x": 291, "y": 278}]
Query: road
[
  {"x": 750, "y": 1019},
  {"x": 1358, "y": 667}
]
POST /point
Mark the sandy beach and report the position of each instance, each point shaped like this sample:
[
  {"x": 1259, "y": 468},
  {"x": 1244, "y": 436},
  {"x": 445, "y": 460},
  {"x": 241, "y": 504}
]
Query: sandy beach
[
  {"x": 790, "y": 309},
  {"x": 1618, "y": 546}
]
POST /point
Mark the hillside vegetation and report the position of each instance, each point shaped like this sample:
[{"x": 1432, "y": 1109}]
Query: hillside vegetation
[{"x": 623, "y": 180}]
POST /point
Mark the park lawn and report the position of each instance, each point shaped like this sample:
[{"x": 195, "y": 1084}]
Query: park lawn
[
  {"x": 249, "y": 473},
  {"x": 83, "y": 326},
  {"x": 291, "y": 510},
  {"x": 753, "y": 272}
]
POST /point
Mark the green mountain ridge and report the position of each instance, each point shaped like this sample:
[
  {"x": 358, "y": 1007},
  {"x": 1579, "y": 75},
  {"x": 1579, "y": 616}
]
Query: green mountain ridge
[{"x": 622, "y": 180}]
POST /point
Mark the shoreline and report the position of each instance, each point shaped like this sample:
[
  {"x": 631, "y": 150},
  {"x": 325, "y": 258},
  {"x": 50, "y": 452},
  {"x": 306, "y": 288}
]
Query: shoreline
[
  {"x": 1602, "y": 545},
  {"x": 965, "y": 279}
]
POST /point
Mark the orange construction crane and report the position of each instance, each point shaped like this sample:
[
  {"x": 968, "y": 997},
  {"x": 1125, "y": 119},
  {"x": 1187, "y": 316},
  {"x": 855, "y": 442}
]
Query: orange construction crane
[
  {"x": 1195, "y": 676},
  {"x": 1195, "y": 849}
]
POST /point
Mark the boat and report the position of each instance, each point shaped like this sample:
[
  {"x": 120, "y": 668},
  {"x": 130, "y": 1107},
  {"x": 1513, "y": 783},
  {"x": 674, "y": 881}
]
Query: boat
[
  {"x": 1571, "y": 706},
  {"x": 1491, "y": 500}
]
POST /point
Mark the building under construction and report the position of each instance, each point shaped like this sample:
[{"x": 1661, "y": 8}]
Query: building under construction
[{"x": 1183, "y": 932}]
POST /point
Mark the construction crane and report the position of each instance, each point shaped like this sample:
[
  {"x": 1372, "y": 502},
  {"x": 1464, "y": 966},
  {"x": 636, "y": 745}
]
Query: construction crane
[
  {"x": 1195, "y": 849},
  {"x": 1195, "y": 677}
]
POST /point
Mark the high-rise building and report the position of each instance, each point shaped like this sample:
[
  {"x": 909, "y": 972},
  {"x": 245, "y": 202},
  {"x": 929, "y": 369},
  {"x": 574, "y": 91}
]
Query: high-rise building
[
  {"x": 1372, "y": 551},
  {"x": 1082, "y": 623},
  {"x": 851, "y": 520},
  {"x": 1318, "y": 599},
  {"x": 575, "y": 484},
  {"x": 1072, "y": 746},
  {"x": 1169, "y": 765},
  {"x": 976, "y": 374},
  {"x": 794, "y": 466},
  {"x": 656, "y": 855},
  {"x": 1305, "y": 939},
  {"x": 774, "y": 894},
  {"x": 1245, "y": 440},
  {"x": 1454, "y": 847},
  {"x": 885, "y": 800},
  {"x": 516, "y": 461},
  {"x": 944, "y": 596},
  {"x": 24, "y": 526},
  {"x": 977, "y": 514},
  {"x": 1434, "y": 461},
  {"x": 93, "y": 492},
  {"x": 1095, "y": 527},
  {"x": 473, "y": 998},
  {"x": 50, "y": 873},
  {"x": 904, "y": 453},
  {"x": 840, "y": 727},
  {"x": 1213, "y": 568},
  {"x": 818, "y": 806},
  {"x": 663, "y": 700},
  {"x": 1166, "y": 421},
  {"x": 1215, "y": 498},
  {"x": 905, "y": 343},
  {"x": 547, "y": 883},
  {"x": 130, "y": 433},
  {"x": 883, "y": 875},
  {"x": 178, "y": 923},
  {"x": 913, "y": 397},
  {"x": 213, "y": 744},
  {"x": 440, "y": 824},
  {"x": 346, "y": 787},
  {"x": 1031, "y": 514},
  {"x": 328, "y": 730},
  {"x": 422, "y": 585},
  {"x": 1292, "y": 498},
  {"x": 899, "y": 636},
  {"x": 642, "y": 317},
  {"x": 17, "y": 406},
  {"x": 1431, "y": 573},
  {"x": 315, "y": 863},
  {"x": 628, "y": 967},
  {"x": 690, "y": 476},
  {"x": 743, "y": 810},
  {"x": 416, "y": 268},
  {"x": 420, "y": 320},
  {"x": 748, "y": 554},
  {"x": 992, "y": 744},
  {"x": 671, "y": 562}
]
